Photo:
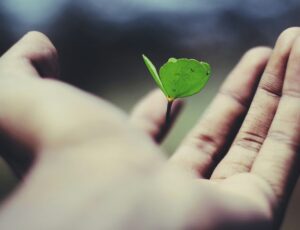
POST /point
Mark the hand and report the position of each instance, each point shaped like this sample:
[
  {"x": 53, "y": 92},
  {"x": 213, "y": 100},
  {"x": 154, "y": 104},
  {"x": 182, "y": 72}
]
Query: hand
[{"x": 94, "y": 168}]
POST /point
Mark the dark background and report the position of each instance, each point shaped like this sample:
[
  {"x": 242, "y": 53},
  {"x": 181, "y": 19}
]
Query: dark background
[{"x": 100, "y": 43}]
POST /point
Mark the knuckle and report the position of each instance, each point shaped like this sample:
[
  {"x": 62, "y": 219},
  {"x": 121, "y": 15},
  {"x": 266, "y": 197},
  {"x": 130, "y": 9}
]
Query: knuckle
[
  {"x": 250, "y": 141},
  {"x": 291, "y": 92},
  {"x": 206, "y": 143},
  {"x": 270, "y": 181},
  {"x": 240, "y": 100},
  {"x": 269, "y": 89},
  {"x": 284, "y": 138},
  {"x": 236, "y": 166}
]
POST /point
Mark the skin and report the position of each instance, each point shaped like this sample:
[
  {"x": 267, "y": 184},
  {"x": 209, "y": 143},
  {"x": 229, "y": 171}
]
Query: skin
[{"x": 91, "y": 166}]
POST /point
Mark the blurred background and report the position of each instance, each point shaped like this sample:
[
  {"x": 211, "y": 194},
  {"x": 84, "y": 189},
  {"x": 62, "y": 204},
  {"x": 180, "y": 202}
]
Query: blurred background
[{"x": 100, "y": 43}]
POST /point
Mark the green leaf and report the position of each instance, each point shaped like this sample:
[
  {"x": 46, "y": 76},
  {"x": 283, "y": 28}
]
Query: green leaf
[
  {"x": 154, "y": 73},
  {"x": 183, "y": 77}
]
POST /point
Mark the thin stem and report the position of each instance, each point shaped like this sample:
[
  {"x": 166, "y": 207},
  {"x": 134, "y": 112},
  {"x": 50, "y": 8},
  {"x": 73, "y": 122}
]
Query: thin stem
[
  {"x": 168, "y": 114},
  {"x": 166, "y": 126}
]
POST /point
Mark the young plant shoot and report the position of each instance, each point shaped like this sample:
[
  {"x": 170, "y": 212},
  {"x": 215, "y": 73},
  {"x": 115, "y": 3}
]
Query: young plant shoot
[{"x": 179, "y": 78}]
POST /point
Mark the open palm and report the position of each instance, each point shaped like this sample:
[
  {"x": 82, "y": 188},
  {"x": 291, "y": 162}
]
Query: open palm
[{"x": 247, "y": 143}]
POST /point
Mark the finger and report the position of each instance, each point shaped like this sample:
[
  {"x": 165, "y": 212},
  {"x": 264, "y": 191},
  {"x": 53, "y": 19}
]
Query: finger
[
  {"x": 261, "y": 113},
  {"x": 149, "y": 114},
  {"x": 211, "y": 136},
  {"x": 33, "y": 54},
  {"x": 278, "y": 159}
]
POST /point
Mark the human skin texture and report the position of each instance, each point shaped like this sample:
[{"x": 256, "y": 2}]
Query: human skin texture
[{"x": 94, "y": 167}]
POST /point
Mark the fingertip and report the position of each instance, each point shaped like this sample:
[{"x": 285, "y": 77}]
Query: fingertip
[
  {"x": 258, "y": 50},
  {"x": 256, "y": 57},
  {"x": 40, "y": 53}
]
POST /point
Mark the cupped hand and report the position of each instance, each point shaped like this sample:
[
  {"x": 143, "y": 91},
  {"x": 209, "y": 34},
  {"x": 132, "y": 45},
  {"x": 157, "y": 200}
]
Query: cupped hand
[{"x": 96, "y": 168}]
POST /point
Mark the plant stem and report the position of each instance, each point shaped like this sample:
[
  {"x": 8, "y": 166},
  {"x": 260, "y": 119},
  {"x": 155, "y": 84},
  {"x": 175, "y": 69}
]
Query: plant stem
[
  {"x": 168, "y": 114},
  {"x": 166, "y": 125}
]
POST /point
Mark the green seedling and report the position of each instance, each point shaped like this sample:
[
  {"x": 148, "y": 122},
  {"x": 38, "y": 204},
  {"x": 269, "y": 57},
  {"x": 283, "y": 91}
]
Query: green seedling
[{"x": 179, "y": 78}]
